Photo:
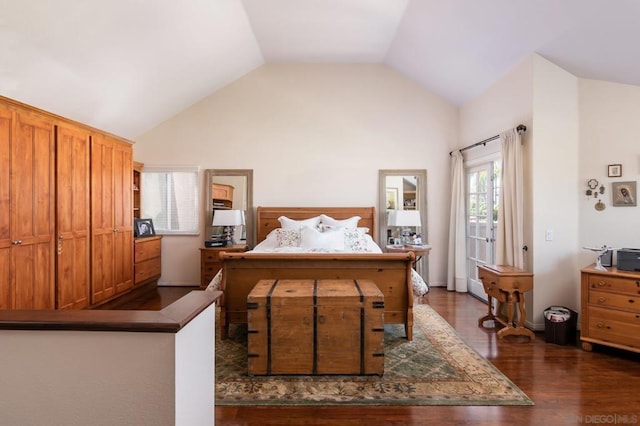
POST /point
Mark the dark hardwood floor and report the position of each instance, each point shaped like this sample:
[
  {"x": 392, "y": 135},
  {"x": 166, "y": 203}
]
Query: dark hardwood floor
[{"x": 568, "y": 385}]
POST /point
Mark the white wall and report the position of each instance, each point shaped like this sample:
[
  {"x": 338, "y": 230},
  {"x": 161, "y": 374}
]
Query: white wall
[
  {"x": 315, "y": 135},
  {"x": 554, "y": 171},
  {"x": 609, "y": 115}
]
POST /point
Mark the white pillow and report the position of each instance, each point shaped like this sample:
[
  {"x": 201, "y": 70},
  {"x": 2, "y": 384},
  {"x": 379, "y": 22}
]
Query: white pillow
[
  {"x": 329, "y": 223},
  {"x": 287, "y": 223},
  {"x": 312, "y": 239}
]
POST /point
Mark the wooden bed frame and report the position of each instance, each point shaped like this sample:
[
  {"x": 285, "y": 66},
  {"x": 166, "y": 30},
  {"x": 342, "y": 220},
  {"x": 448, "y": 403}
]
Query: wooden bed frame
[{"x": 390, "y": 271}]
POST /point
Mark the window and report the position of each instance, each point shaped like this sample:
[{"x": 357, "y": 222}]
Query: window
[{"x": 170, "y": 198}]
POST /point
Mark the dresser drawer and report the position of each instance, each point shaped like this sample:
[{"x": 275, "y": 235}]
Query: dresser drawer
[
  {"x": 613, "y": 300},
  {"x": 614, "y": 326},
  {"x": 147, "y": 269},
  {"x": 147, "y": 249},
  {"x": 608, "y": 283},
  {"x": 210, "y": 269}
]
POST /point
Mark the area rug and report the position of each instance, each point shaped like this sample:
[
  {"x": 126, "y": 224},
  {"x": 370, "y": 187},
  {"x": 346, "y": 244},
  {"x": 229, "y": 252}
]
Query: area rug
[{"x": 436, "y": 368}]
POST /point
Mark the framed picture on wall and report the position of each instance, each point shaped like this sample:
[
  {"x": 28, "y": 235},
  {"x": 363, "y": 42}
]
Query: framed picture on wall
[
  {"x": 614, "y": 170},
  {"x": 624, "y": 194},
  {"x": 143, "y": 228}
]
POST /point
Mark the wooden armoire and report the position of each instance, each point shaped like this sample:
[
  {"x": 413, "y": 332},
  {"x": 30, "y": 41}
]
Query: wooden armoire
[{"x": 66, "y": 220}]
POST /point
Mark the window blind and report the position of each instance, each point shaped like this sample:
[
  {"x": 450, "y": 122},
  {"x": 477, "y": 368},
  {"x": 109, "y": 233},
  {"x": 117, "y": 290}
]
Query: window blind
[{"x": 170, "y": 198}]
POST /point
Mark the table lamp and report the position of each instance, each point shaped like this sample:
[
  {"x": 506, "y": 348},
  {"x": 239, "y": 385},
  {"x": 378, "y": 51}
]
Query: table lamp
[
  {"x": 404, "y": 219},
  {"x": 229, "y": 219}
]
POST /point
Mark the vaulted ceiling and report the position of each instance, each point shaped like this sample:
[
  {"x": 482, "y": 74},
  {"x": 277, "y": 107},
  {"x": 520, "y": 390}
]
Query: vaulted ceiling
[{"x": 127, "y": 65}]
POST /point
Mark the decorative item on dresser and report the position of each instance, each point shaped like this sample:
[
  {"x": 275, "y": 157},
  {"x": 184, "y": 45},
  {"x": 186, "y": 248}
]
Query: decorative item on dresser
[
  {"x": 210, "y": 262},
  {"x": 610, "y": 303}
]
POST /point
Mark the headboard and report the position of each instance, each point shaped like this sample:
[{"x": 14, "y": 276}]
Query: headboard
[{"x": 267, "y": 217}]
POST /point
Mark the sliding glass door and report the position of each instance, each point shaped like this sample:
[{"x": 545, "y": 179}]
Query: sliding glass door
[{"x": 482, "y": 187}]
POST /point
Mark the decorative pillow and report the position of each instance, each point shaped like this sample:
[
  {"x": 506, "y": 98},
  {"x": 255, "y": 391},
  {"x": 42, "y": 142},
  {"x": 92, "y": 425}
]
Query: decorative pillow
[
  {"x": 420, "y": 287},
  {"x": 287, "y": 237},
  {"x": 216, "y": 282},
  {"x": 327, "y": 222},
  {"x": 287, "y": 223},
  {"x": 355, "y": 240},
  {"x": 313, "y": 239}
]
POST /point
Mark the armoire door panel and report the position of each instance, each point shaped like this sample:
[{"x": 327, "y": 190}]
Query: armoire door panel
[
  {"x": 5, "y": 278},
  {"x": 124, "y": 260},
  {"x": 32, "y": 212},
  {"x": 73, "y": 273},
  {"x": 6, "y": 120},
  {"x": 32, "y": 174},
  {"x": 102, "y": 267},
  {"x": 33, "y": 277},
  {"x": 6, "y": 123},
  {"x": 111, "y": 186},
  {"x": 73, "y": 222}
]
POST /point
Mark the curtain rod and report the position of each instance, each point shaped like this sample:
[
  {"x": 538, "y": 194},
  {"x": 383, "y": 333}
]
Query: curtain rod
[{"x": 520, "y": 129}]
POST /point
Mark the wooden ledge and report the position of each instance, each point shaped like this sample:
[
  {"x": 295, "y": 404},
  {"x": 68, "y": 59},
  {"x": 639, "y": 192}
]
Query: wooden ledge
[{"x": 168, "y": 320}]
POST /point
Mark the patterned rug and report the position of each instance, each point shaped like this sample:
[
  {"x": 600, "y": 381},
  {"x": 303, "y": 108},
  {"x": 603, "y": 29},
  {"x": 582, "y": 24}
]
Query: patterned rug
[{"x": 436, "y": 368}]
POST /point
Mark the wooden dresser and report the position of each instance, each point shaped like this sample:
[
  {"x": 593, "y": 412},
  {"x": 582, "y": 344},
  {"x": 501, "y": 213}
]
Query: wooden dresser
[
  {"x": 210, "y": 261},
  {"x": 610, "y": 308},
  {"x": 147, "y": 260}
]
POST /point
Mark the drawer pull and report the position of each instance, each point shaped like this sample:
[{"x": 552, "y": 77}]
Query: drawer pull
[
  {"x": 602, "y": 283},
  {"x": 600, "y": 325},
  {"x": 631, "y": 301},
  {"x": 601, "y": 299}
]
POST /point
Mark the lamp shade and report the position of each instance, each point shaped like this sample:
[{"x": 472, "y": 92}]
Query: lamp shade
[
  {"x": 404, "y": 218},
  {"x": 228, "y": 218}
]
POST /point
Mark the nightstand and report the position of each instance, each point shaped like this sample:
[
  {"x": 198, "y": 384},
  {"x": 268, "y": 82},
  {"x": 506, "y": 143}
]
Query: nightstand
[
  {"x": 210, "y": 261},
  {"x": 419, "y": 251}
]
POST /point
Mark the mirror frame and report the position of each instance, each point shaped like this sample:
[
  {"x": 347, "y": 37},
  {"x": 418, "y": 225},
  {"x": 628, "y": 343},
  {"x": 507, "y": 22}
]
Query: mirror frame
[
  {"x": 422, "y": 205},
  {"x": 210, "y": 175}
]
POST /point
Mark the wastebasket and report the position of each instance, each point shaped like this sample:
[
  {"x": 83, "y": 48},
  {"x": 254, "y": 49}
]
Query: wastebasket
[{"x": 560, "y": 325}]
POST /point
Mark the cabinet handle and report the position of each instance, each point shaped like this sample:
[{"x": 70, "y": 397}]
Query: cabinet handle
[
  {"x": 16, "y": 242},
  {"x": 601, "y": 299},
  {"x": 600, "y": 325},
  {"x": 601, "y": 283},
  {"x": 631, "y": 301}
]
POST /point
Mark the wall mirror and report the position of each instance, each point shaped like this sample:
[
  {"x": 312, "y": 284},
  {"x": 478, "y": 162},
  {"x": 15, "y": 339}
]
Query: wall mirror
[
  {"x": 230, "y": 189},
  {"x": 405, "y": 191}
]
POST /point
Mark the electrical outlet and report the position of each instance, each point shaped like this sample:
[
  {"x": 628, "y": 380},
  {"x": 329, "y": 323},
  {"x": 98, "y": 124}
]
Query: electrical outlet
[{"x": 548, "y": 235}]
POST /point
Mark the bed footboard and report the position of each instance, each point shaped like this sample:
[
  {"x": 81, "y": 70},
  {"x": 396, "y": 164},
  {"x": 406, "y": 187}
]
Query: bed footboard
[{"x": 390, "y": 271}]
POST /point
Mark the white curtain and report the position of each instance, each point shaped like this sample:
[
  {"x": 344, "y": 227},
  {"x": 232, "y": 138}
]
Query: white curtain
[
  {"x": 510, "y": 235},
  {"x": 457, "y": 270}
]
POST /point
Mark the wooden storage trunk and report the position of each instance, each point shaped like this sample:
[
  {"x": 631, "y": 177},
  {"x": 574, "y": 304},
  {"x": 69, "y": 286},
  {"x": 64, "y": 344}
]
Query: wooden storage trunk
[{"x": 315, "y": 327}]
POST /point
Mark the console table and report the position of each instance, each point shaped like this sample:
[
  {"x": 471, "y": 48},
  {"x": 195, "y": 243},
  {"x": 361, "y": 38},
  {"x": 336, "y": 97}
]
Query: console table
[{"x": 507, "y": 285}]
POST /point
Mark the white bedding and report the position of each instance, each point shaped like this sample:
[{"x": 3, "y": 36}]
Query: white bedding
[{"x": 305, "y": 239}]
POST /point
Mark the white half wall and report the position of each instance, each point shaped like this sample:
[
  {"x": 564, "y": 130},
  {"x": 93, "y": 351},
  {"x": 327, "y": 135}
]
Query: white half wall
[
  {"x": 79, "y": 378},
  {"x": 315, "y": 135}
]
